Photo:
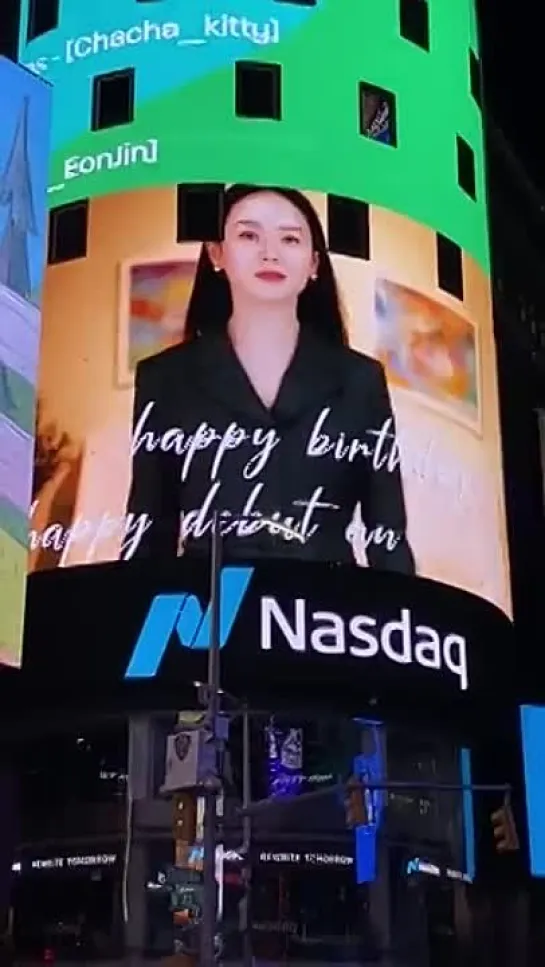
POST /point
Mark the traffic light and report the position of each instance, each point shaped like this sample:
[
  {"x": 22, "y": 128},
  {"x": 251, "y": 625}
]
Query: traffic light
[
  {"x": 355, "y": 807},
  {"x": 504, "y": 828}
]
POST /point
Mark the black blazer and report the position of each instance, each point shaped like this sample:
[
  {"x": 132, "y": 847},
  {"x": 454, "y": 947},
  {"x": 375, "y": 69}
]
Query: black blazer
[{"x": 331, "y": 399}]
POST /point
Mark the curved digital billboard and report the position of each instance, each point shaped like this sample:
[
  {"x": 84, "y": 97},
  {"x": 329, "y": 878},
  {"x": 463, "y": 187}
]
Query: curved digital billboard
[
  {"x": 268, "y": 293},
  {"x": 342, "y": 396}
]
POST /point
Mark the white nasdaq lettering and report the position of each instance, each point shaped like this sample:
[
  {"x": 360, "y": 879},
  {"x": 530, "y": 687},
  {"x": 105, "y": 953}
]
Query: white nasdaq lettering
[
  {"x": 295, "y": 637},
  {"x": 402, "y": 627},
  {"x": 460, "y": 667},
  {"x": 358, "y": 625},
  {"x": 427, "y": 650},
  {"x": 333, "y": 630},
  {"x": 335, "y": 634}
]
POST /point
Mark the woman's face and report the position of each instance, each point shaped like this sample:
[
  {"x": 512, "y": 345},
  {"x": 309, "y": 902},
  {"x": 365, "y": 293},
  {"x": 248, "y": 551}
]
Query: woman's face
[{"x": 267, "y": 252}]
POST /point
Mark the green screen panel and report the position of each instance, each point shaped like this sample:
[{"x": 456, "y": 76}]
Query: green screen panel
[{"x": 185, "y": 127}]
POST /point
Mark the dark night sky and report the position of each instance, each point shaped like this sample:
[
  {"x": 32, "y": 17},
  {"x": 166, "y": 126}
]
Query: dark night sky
[{"x": 514, "y": 62}]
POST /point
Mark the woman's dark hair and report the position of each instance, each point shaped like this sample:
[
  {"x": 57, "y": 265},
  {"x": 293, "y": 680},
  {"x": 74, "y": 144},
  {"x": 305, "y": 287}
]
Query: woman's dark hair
[{"x": 318, "y": 309}]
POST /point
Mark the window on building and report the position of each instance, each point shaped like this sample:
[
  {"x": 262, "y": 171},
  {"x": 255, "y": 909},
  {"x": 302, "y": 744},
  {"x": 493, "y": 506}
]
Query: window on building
[
  {"x": 378, "y": 114},
  {"x": 414, "y": 22},
  {"x": 348, "y": 226},
  {"x": 475, "y": 77},
  {"x": 466, "y": 167},
  {"x": 113, "y": 99},
  {"x": 67, "y": 238},
  {"x": 450, "y": 275},
  {"x": 43, "y": 16},
  {"x": 9, "y": 28},
  {"x": 258, "y": 91},
  {"x": 199, "y": 213}
]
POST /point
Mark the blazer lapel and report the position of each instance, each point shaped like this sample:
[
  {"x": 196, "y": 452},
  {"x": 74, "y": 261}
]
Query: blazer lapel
[
  {"x": 222, "y": 377},
  {"x": 314, "y": 375}
]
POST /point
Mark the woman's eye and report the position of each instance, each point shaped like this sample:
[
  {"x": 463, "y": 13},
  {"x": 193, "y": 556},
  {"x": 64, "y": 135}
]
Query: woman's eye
[
  {"x": 291, "y": 239},
  {"x": 248, "y": 235}
]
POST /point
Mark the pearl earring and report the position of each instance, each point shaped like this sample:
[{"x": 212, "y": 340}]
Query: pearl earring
[{"x": 217, "y": 268}]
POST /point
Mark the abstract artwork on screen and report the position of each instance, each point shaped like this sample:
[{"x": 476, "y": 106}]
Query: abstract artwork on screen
[
  {"x": 428, "y": 349},
  {"x": 154, "y": 300}
]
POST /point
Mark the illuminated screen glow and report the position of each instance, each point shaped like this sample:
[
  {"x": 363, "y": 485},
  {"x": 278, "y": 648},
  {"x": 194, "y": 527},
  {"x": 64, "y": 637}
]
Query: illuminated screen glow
[
  {"x": 370, "y": 767},
  {"x": 533, "y": 749},
  {"x": 374, "y": 436},
  {"x": 329, "y": 466},
  {"x": 285, "y": 775},
  {"x": 468, "y": 820},
  {"x": 24, "y": 134},
  {"x": 183, "y": 58}
]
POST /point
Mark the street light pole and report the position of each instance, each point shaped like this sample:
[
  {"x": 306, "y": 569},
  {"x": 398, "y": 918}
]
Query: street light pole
[
  {"x": 213, "y": 781},
  {"x": 247, "y": 951},
  {"x": 209, "y": 911}
]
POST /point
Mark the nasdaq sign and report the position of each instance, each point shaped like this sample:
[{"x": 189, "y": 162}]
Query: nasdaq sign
[
  {"x": 293, "y": 626},
  {"x": 182, "y": 614}
]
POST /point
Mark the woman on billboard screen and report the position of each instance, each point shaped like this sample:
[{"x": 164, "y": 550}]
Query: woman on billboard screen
[{"x": 263, "y": 413}]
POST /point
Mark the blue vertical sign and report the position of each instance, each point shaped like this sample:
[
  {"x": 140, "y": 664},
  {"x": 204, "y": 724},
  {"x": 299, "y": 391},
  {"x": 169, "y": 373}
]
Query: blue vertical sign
[
  {"x": 467, "y": 814},
  {"x": 369, "y": 767},
  {"x": 532, "y": 718}
]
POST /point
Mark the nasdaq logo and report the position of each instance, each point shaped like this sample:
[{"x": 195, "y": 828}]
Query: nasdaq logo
[{"x": 182, "y": 614}]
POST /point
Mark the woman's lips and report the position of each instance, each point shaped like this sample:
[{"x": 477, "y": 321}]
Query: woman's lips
[{"x": 270, "y": 275}]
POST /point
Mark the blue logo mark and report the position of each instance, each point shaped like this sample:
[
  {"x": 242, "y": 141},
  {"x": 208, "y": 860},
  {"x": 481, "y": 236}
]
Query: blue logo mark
[{"x": 182, "y": 613}]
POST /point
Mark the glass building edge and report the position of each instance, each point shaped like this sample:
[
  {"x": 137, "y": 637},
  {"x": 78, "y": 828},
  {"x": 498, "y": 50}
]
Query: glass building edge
[
  {"x": 443, "y": 208},
  {"x": 23, "y": 26},
  {"x": 24, "y": 147}
]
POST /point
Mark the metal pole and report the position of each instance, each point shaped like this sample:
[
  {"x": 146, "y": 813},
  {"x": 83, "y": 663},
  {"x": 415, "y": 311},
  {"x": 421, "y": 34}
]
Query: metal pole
[
  {"x": 247, "y": 951},
  {"x": 274, "y": 805},
  {"x": 209, "y": 911}
]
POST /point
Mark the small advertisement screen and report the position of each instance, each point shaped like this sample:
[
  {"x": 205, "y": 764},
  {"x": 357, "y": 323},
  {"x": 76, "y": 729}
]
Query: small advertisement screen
[
  {"x": 24, "y": 146},
  {"x": 285, "y": 760},
  {"x": 328, "y": 407}
]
